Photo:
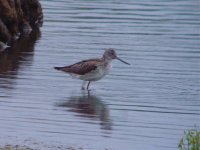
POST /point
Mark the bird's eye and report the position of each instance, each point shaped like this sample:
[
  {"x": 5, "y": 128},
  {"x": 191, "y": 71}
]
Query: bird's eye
[{"x": 111, "y": 52}]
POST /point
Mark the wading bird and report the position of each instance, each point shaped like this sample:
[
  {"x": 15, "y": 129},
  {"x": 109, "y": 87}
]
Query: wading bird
[{"x": 92, "y": 69}]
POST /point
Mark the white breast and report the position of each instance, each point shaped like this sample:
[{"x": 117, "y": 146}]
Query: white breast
[{"x": 97, "y": 74}]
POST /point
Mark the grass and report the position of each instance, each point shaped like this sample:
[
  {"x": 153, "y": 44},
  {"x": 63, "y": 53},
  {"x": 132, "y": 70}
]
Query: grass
[{"x": 190, "y": 140}]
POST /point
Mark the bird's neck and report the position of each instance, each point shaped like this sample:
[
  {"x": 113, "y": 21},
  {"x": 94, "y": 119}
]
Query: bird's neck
[{"x": 107, "y": 60}]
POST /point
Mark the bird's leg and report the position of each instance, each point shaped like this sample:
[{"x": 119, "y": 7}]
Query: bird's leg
[
  {"x": 83, "y": 85},
  {"x": 88, "y": 85}
]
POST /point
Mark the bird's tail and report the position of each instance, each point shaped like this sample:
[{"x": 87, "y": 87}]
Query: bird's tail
[
  {"x": 58, "y": 68},
  {"x": 65, "y": 68}
]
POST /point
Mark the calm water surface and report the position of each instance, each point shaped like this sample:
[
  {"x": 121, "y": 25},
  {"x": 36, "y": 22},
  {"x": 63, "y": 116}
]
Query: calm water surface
[{"x": 146, "y": 106}]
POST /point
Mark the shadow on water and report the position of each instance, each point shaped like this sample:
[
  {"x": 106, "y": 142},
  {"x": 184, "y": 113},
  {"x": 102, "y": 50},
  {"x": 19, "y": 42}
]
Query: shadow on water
[
  {"x": 12, "y": 58},
  {"x": 89, "y": 106}
]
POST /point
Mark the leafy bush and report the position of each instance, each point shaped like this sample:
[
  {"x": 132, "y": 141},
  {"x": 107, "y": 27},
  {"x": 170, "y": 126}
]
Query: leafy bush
[{"x": 190, "y": 140}]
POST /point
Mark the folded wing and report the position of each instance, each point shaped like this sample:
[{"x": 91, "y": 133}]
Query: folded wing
[{"x": 82, "y": 67}]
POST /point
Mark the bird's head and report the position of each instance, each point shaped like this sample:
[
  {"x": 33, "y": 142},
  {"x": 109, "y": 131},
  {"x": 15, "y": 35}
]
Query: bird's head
[{"x": 110, "y": 54}]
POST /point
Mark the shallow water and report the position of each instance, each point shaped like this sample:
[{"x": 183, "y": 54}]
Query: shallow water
[{"x": 147, "y": 105}]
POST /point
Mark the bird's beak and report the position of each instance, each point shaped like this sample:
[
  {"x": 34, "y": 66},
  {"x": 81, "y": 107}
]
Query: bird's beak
[{"x": 122, "y": 61}]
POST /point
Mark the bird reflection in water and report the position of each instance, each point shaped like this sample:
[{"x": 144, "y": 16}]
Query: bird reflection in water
[
  {"x": 19, "y": 54},
  {"x": 89, "y": 106}
]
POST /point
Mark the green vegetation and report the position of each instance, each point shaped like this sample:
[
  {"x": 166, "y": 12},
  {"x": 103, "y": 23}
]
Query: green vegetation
[
  {"x": 16, "y": 147},
  {"x": 190, "y": 140}
]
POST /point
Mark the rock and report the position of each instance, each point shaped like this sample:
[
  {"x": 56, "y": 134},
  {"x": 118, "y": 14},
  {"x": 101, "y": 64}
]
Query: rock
[
  {"x": 11, "y": 57},
  {"x": 4, "y": 32},
  {"x": 17, "y": 17},
  {"x": 32, "y": 12}
]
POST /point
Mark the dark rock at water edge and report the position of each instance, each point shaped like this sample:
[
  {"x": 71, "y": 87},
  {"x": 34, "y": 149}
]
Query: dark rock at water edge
[
  {"x": 19, "y": 54},
  {"x": 18, "y": 17}
]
